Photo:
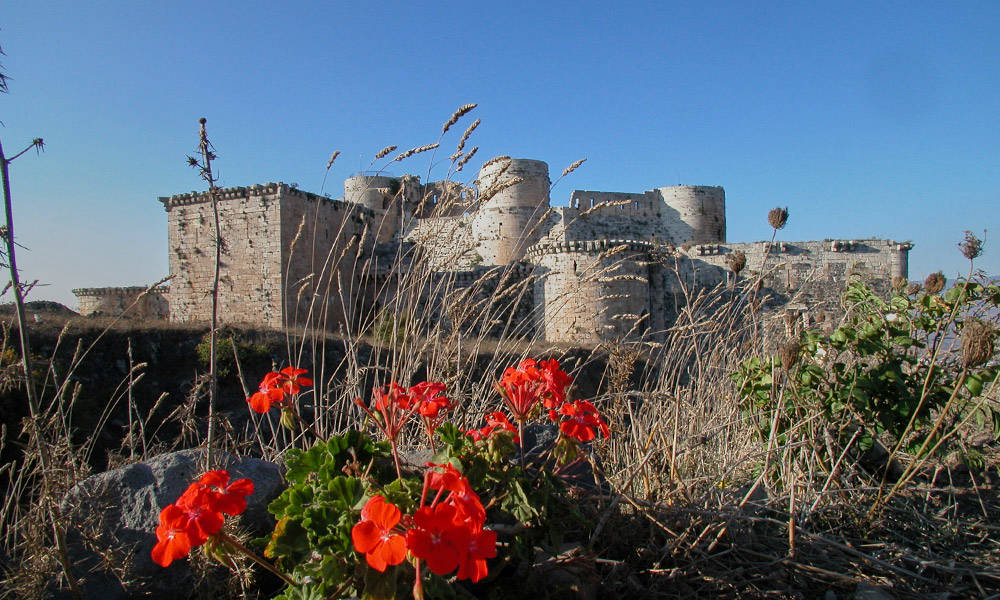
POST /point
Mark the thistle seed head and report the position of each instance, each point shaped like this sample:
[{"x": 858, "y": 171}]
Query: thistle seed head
[
  {"x": 935, "y": 282},
  {"x": 736, "y": 261},
  {"x": 912, "y": 289},
  {"x": 971, "y": 247},
  {"x": 789, "y": 353},
  {"x": 777, "y": 217},
  {"x": 978, "y": 338}
]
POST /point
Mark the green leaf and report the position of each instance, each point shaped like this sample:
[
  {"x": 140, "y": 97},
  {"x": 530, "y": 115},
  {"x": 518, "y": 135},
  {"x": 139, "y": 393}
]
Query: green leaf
[{"x": 974, "y": 384}]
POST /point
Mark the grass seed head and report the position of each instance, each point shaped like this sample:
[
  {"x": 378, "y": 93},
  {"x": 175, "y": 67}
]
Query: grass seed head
[
  {"x": 333, "y": 157},
  {"x": 458, "y": 114},
  {"x": 385, "y": 151}
]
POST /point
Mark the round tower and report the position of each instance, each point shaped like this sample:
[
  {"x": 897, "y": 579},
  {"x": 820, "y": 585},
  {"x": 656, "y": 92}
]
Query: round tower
[
  {"x": 507, "y": 222},
  {"x": 696, "y": 213},
  {"x": 376, "y": 192},
  {"x": 592, "y": 291}
]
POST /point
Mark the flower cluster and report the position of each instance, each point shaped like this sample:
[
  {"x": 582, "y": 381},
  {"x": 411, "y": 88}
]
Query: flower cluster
[
  {"x": 395, "y": 405},
  {"x": 534, "y": 383},
  {"x": 447, "y": 534},
  {"x": 531, "y": 382},
  {"x": 277, "y": 388},
  {"x": 495, "y": 421},
  {"x": 198, "y": 514}
]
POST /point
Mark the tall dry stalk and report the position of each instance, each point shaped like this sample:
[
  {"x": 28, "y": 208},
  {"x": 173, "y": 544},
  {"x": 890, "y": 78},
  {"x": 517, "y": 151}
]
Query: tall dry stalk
[{"x": 207, "y": 152}]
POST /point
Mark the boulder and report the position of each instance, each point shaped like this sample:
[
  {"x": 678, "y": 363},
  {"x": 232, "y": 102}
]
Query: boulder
[{"x": 113, "y": 518}]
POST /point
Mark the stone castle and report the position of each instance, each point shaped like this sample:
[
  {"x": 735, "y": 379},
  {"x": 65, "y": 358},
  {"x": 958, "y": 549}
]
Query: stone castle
[{"x": 609, "y": 265}]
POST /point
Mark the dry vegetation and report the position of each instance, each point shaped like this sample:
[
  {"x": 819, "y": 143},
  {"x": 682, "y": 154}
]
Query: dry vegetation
[{"x": 697, "y": 503}]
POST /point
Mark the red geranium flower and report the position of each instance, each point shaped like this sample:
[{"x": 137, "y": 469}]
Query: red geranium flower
[
  {"x": 172, "y": 541},
  {"x": 494, "y": 421},
  {"x": 269, "y": 392},
  {"x": 475, "y": 545},
  {"x": 430, "y": 538},
  {"x": 556, "y": 381},
  {"x": 204, "y": 519},
  {"x": 230, "y": 498},
  {"x": 291, "y": 380},
  {"x": 583, "y": 419},
  {"x": 197, "y": 514},
  {"x": 522, "y": 388},
  {"x": 469, "y": 508},
  {"x": 374, "y": 537}
]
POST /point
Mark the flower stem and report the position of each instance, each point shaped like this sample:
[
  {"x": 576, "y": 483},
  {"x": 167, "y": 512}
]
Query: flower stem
[{"x": 253, "y": 556}]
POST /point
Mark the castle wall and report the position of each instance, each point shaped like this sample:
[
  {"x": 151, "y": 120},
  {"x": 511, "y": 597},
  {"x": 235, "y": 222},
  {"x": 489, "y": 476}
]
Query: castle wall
[
  {"x": 804, "y": 276},
  {"x": 592, "y": 291},
  {"x": 250, "y": 284},
  {"x": 325, "y": 246},
  {"x": 114, "y": 301},
  {"x": 448, "y": 242}
]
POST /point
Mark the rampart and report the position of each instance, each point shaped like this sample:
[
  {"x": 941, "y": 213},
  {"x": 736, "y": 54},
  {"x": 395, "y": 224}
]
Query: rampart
[{"x": 139, "y": 302}]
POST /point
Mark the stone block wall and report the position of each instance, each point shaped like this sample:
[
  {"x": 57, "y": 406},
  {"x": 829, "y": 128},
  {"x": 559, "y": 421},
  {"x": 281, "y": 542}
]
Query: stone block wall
[
  {"x": 325, "y": 247},
  {"x": 258, "y": 224},
  {"x": 114, "y": 301}
]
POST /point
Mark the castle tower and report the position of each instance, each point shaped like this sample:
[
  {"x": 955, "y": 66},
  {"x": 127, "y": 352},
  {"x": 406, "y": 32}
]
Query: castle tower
[
  {"x": 901, "y": 260},
  {"x": 696, "y": 213},
  {"x": 378, "y": 193},
  {"x": 507, "y": 223},
  {"x": 592, "y": 291}
]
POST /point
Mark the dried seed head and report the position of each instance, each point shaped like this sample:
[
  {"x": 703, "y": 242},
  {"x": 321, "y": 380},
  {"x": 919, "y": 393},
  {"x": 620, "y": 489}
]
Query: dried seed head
[
  {"x": 971, "y": 246},
  {"x": 978, "y": 338},
  {"x": 333, "y": 157},
  {"x": 789, "y": 353},
  {"x": 777, "y": 217},
  {"x": 899, "y": 283},
  {"x": 416, "y": 150},
  {"x": 384, "y": 152},
  {"x": 466, "y": 158},
  {"x": 455, "y": 116},
  {"x": 573, "y": 167},
  {"x": 935, "y": 282},
  {"x": 912, "y": 289},
  {"x": 737, "y": 261},
  {"x": 465, "y": 138}
]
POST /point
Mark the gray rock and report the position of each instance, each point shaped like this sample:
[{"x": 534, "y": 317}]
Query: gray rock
[
  {"x": 869, "y": 591},
  {"x": 114, "y": 517}
]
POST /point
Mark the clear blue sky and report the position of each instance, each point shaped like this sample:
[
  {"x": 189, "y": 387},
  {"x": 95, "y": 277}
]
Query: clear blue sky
[{"x": 865, "y": 119}]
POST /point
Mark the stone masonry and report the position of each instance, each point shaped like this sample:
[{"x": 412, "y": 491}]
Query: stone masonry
[{"x": 590, "y": 271}]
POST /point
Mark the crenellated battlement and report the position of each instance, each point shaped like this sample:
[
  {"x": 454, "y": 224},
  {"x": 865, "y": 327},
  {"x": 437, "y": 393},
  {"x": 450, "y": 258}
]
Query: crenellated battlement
[{"x": 588, "y": 247}]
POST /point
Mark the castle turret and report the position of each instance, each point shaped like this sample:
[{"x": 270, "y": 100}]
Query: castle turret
[
  {"x": 377, "y": 192},
  {"x": 506, "y": 223},
  {"x": 697, "y": 213},
  {"x": 592, "y": 291}
]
